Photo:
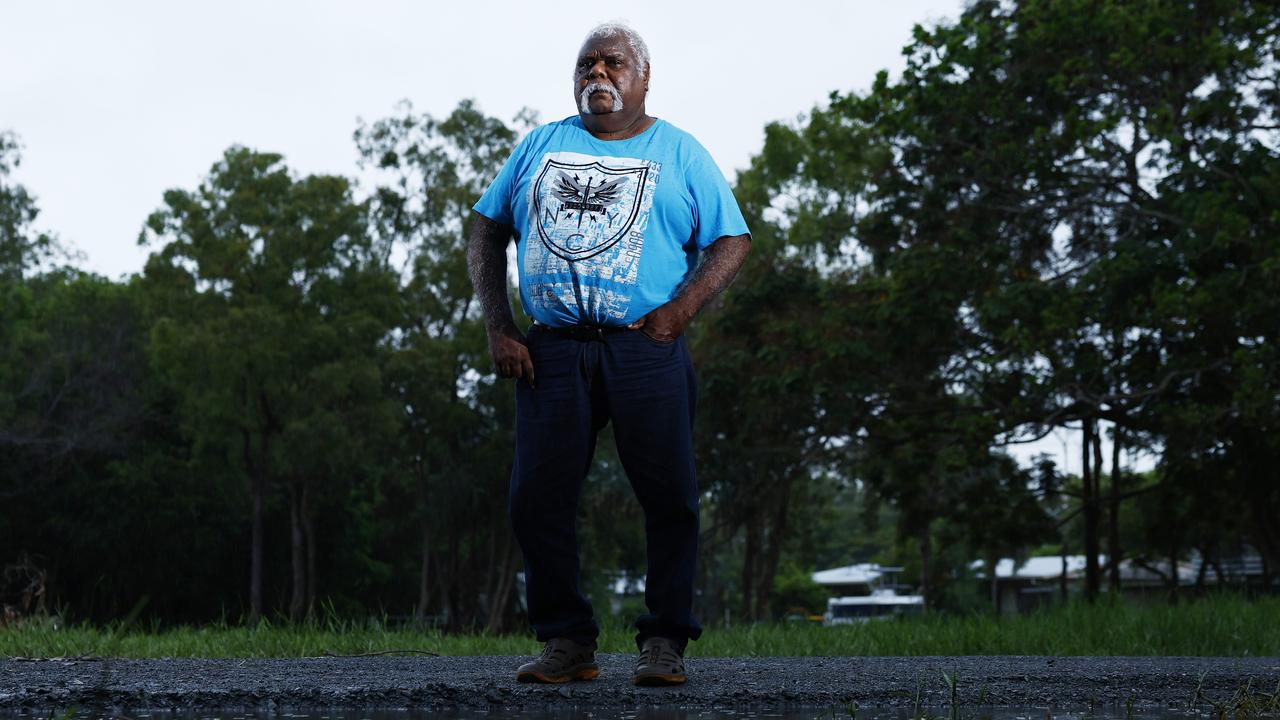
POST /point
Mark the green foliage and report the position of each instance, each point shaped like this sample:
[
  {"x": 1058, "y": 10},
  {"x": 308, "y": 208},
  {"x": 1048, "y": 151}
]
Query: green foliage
[
  {"x": 269, "y": 312},
  {"x": 1060, "y": 215},
  {"x": 22, "y": 248},
  {"x": 72, "y": 396},
  {"x": 453, "y": 450},
  {"x": 794, "y": 591}
]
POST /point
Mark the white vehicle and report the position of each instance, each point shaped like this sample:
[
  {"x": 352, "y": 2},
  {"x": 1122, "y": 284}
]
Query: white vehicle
[{"x": 881, "y": 603}]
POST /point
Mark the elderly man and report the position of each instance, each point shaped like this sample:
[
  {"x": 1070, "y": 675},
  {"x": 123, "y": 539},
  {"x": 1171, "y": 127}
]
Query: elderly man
[{"x": 610, "y": 210}]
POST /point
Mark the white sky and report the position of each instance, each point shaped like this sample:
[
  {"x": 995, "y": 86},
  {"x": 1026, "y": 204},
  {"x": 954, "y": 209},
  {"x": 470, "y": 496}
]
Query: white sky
[{"x": 117, "y": 102}]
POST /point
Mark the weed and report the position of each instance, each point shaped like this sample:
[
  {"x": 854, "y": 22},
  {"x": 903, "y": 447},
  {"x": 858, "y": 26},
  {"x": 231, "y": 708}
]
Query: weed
[
  {"x": 1245, "y": 702},
  {"x": 951, "y": 681},
  {"x": 919, "y": 696},
  {"x": 1197, "y": 695},
  {"x": 1248, "y": 702},
  {"x": 66, "y": 714}
]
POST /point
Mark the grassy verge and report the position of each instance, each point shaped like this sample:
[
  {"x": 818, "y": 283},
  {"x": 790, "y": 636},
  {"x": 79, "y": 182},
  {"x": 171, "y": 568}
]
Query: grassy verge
[{"x": 1220, "y": 626}]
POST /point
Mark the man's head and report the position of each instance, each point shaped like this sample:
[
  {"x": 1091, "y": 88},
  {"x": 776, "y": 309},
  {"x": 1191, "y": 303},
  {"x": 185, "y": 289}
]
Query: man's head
[{"x": 611, "y": 74}]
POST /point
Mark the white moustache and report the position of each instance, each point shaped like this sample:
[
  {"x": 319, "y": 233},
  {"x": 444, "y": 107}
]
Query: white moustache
[{"x": 585, "y": 96}]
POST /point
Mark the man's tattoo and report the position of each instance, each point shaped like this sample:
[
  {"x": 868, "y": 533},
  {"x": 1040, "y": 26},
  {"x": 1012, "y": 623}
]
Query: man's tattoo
[
  {"x": 718, "y": 268},
  {"x": 487, "y": 265}
]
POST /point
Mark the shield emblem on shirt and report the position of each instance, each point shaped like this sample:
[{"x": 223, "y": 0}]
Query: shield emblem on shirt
[{"x": 583, "y": 209}]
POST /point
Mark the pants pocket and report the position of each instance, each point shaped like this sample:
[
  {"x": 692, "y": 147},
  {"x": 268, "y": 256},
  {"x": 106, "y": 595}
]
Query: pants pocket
[{"x": 655, "y": 341}]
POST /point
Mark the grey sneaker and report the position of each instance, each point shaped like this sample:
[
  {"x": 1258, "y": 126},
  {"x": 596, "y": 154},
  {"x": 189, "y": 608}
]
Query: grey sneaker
[
  {"x": 661, "y": 663},
  {"x": 561, "y": 660}
]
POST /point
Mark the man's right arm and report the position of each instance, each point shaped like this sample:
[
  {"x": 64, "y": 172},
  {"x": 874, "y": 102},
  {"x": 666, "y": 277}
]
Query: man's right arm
[{"x": 487, "y": 264}]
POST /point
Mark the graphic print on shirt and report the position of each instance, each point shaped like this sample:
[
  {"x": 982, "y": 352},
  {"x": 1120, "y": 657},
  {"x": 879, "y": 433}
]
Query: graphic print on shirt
[{"x": 587, "y": 219}]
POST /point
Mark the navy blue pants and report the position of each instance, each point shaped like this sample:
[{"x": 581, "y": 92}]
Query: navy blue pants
[{"x": 647, "y": 390}]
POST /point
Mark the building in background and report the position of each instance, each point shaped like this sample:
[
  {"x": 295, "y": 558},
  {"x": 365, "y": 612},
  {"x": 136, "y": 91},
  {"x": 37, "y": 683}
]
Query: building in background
[
  {"x": 1039, "y": 581},
  {"x": 863, "y": 592}
]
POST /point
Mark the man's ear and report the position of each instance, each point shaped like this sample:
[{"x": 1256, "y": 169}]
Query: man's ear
[{"x": 646, "y": 77}]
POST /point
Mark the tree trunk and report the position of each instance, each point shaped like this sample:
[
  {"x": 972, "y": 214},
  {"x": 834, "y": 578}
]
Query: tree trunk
[
  {"x": 477, "y": 568},
  {"x": 773, "y": 553},
  {"x": 748, "y": 568},
  {"x": 926, "y": 564},
  {"x": 1172, "y": 579},
  {"x": 1217, "y": 570},
  {"x": 424, "y": 572},
  {"x": 993, "y": 582},
  {"x": 453, "y": 605},
  {"x": 309, "y": 536},
  {"x": 1113, "y": 517},
  {"x": 424, "y": 575},
  {"x": 1266, "y": 533},
  {"x": 492, "y": 570},
  {"x": 297, "y": 554},
  {"x": 1062, "y": 579},
  {"x": 1092, "y": 575},
  {"x": 258, "y": 489},
  {"x": 1204, "y": 566},
  {"x": 501, "y": 599}
]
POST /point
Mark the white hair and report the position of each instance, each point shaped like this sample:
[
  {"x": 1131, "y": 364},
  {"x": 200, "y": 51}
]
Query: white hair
[{"x": 634, "y": 41}]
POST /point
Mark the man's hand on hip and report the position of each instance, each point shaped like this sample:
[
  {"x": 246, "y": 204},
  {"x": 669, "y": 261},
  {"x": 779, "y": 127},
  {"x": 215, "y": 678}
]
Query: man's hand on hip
[
  {"x": 719, "y": 264},
  {"x": 664, "y": 323},
  {"x": 510, "y": 351}
]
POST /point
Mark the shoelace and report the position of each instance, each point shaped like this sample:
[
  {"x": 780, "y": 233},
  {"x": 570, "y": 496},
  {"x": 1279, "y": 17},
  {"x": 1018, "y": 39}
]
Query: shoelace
[
  {"x": 550, "y": 649},
  {"x": 658, "y": 654}
]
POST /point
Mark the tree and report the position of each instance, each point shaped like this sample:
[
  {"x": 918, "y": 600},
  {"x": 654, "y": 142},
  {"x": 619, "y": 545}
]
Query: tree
[
  {"x": 270, "y": 311},
  {"x": 22, "y": 248},
  {"x": 456, "y": 418},
  {"x": 1016, "y": 207}
]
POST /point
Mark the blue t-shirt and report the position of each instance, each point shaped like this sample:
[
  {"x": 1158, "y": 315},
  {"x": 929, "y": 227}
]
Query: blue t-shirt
[{"x": 606, "y": 230}]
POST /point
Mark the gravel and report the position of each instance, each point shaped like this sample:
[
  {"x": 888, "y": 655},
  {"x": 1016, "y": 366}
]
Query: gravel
[{"x": 714, "y": 683}]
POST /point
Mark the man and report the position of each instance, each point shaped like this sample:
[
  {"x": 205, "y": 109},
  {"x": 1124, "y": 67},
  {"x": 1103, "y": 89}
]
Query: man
[{"x": 610, "y": 210}]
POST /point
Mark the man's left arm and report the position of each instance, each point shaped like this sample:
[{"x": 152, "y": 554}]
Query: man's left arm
[{"x": 720, "y": 264}]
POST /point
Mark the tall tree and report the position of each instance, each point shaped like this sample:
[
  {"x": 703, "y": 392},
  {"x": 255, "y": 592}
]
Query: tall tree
[
  {"x": 270, "y": 310},
  {"x": 1020, "y": 254},
  {"x": 456, "y": 417}
]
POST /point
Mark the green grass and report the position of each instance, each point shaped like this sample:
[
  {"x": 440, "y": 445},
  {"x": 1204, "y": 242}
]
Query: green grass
[{"x": 1219, "y": 626}]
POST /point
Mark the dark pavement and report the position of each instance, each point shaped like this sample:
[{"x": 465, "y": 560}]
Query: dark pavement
[{"x": 715, "y": 683}]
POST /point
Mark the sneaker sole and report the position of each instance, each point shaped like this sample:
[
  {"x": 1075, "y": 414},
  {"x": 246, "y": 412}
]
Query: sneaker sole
[
  {"x": 658, "y": 679},
  {"x": 579, "y": 673}
]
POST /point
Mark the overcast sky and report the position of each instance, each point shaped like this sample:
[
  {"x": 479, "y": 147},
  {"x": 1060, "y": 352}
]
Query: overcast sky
[{"x": 116, "y": 102}]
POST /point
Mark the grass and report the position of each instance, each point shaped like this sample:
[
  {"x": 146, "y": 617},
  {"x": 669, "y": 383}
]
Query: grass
[{"x": 1217, "y": 626}]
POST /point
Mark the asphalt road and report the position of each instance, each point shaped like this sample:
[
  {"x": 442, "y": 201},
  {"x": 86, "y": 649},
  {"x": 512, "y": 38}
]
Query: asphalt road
[{"x": 714, "y": 683}]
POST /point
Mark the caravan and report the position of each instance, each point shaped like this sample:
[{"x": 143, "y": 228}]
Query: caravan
[{"x": 864, "y": 592}]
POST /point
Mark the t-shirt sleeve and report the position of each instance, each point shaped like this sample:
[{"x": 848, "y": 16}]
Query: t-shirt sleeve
[
  {"x": 496, "y": 203},
  {"x": 716, "y": 211}
]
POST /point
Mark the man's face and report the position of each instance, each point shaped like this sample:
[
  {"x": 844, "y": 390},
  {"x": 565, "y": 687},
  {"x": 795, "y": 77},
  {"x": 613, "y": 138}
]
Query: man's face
[{"x": 607, "y": 64}]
